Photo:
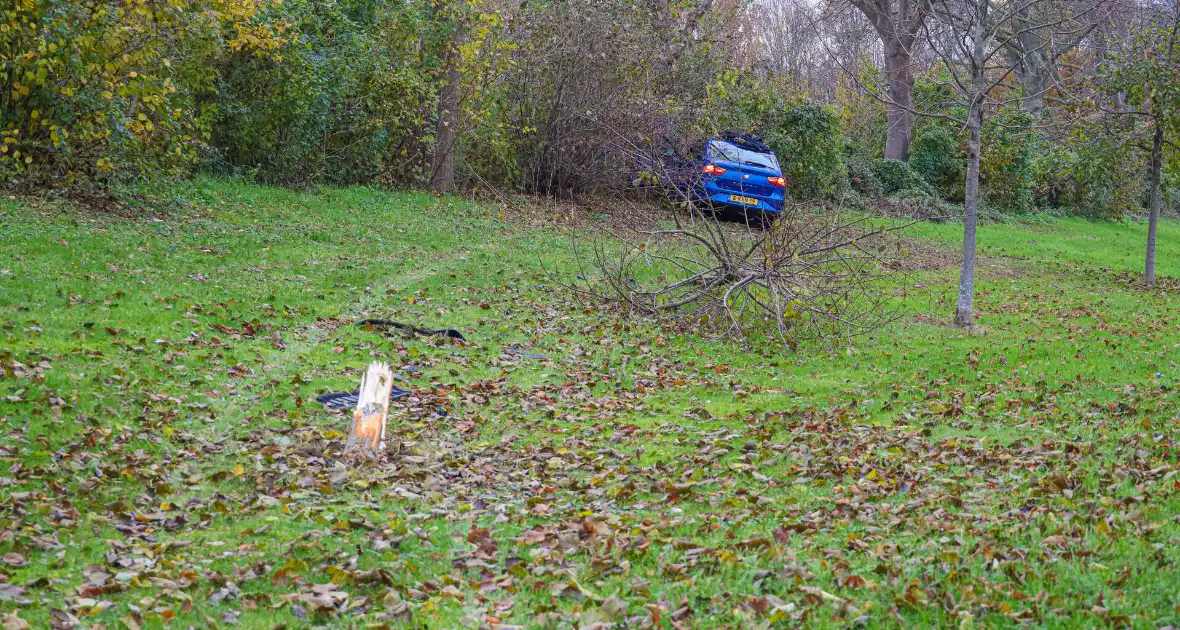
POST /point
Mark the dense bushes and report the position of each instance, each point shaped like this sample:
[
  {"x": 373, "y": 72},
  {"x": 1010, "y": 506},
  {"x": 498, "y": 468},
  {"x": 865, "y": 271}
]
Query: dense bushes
[
  {"x": 345, "y": 101},
  {"x": 861, "y": 178},
  {"x": 806, "y": 137},
  {"x": 894, "y": 176},
  {"x": 295, "y": 93},
  {"x": 1092, "y": 172},
  {"x": 1007, "y": 168},
  {"x": 862, "y": 117},
  {"x": 555, "y": 98},
  {"x": 935, "y": 155},
  {"x": 106, "y": 91}
]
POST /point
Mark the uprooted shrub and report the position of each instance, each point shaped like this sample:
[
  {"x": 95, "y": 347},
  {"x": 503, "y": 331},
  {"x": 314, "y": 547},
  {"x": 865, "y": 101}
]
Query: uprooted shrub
[{"x": 809, "y": 276}]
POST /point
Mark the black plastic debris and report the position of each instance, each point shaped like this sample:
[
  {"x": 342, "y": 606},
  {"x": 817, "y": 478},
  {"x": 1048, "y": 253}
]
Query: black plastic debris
[
  {"x": 521, "y": 353},
  {"x": 386, "y": 323},
  {"x": 348, "y": 400}
]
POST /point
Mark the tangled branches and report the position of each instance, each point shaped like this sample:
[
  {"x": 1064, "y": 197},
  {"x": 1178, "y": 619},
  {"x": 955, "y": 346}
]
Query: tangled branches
[{"x": 809, "y": 275}]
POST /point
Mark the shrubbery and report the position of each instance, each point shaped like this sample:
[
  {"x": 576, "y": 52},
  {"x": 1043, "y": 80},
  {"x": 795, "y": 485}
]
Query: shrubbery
[
  {"x": 1096, "y": 175},
  {"x": 806, "y": 137},
  {"x": 108, "y": 91},
  {"x": 861, "y": 178},
  {"x": 894, "y": 176},
  {"x": 1007, "y": 165},
  {"x": 885, "y": 178},
  {"x": 935, "y": 155},
  {"x": 554, "y": 98},
  {"x": 346, "y": 101}
]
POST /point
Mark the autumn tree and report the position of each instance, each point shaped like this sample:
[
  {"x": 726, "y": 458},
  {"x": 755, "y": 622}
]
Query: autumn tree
[
  {"x": 1142, "y": 81},
  {"x": 1034, "y": 53},
  {"x": 970, "y": 38},
  {"x": 106, "y": 90}
]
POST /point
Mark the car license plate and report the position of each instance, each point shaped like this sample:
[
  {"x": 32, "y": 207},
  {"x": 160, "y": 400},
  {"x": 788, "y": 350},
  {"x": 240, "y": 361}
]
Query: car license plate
[{"x": 749, "y": 201}]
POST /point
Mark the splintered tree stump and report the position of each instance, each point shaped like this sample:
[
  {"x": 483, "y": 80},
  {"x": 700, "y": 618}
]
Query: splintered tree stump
[{"x": 367, "y": 436}]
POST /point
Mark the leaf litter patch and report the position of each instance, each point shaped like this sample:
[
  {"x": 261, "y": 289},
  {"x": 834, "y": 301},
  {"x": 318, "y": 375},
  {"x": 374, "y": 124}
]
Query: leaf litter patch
[{"x": 621, "y": 480}]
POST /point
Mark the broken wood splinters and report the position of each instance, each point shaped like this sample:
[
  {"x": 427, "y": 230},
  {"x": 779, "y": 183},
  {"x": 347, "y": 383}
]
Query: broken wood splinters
[{"x": 367, "y": 435}]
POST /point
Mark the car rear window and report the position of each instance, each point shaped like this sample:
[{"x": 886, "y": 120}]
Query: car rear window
[{"x": 730, "y": 152}]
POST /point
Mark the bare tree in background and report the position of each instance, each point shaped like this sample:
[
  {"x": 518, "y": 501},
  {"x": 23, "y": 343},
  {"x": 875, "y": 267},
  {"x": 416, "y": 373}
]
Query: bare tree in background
[
  {"x": 788, "y": 40},
  {"x": 1034, "y": 53},
  {"x": 807, "y": 47},
  {"x": 970, "y": 37},
  {"x": 630, "y": 66},
  {"x": 676, "y": 26}
]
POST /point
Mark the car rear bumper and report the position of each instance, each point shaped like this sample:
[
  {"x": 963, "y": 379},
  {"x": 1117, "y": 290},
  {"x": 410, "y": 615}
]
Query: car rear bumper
[{"x": 724, "y": 198}]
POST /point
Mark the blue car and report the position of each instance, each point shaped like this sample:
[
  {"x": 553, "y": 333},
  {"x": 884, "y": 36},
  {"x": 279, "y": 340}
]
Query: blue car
[{"x": 738, "y": 171}]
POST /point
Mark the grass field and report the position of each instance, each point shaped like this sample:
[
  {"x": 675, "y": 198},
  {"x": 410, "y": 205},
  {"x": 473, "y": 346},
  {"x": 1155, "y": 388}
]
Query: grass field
[
  {"x": 165, "y": 463},
  {"x": 1103, "y": 244}
]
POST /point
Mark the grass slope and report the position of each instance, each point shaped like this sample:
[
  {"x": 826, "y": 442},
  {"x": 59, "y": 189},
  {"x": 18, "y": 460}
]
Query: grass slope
[
  {"x": 165, "y": 465},
  {"x": 1103, "y": 244}
]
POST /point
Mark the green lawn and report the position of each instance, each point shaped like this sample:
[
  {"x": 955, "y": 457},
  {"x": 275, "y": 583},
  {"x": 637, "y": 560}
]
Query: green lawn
[
  {"x": 165, "y": 463},
  {"x": 1115, "y": 246}
]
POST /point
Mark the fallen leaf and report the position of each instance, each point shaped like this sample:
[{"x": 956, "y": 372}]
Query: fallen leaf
[{"x": 12, "y": 621}]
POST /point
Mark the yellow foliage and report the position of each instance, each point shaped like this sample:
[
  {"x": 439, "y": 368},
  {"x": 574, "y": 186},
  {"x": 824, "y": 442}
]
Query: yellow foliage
[{"x": 112, "y": 86}]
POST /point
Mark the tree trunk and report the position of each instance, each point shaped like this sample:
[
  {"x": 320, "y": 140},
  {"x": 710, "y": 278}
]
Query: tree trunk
[
  {"x": 965, "y": 306},
  {"x": 1157, "y": 162},
  {"x": 964, "y": 309},
  {"x": 897, "y": 24},
  {"x": 901, "y": 99},
  {"x": 1033, "y": 84},
  {"x": 1028, "y": 56},
  {"x": 442, "y": 168},
  {"x": 367, "y": 435}
]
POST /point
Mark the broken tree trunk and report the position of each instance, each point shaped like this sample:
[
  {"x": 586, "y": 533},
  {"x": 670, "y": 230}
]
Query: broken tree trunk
[{"x": 367, "y": 436}]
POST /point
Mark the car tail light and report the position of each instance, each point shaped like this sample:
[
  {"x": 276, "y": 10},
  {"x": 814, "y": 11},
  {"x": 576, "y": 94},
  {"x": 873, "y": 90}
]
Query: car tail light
[
  {"x": 712, "y": 169},
  {"x": 777, "y": 181}
]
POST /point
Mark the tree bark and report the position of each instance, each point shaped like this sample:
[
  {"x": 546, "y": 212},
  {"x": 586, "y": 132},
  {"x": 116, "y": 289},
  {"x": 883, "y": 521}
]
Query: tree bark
[
  {"x": 367, "y": 435},
  {"x": 897, "y": 23},
  {"x": 1033, "y": 54},
  {"x": 964, "y": 310},
  {"x": 442, "y": 167},
  {"x": 1157, "y": 162},
  {"x": 1034, "y": 82},
  {"x": 1030, "y": 58},
  {"x": 901, "y": 99}
]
